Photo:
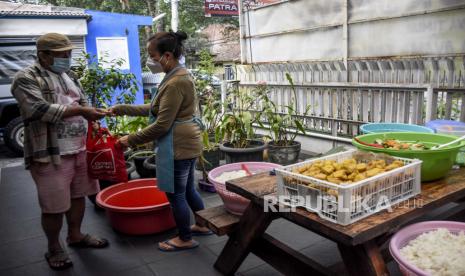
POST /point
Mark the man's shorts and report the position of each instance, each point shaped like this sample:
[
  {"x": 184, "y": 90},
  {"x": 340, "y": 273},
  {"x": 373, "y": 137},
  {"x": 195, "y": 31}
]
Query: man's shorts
[{"x": 57, "y": 185}]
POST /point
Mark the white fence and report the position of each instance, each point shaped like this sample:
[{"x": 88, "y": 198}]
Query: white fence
[{"x": 338, "y": 109}]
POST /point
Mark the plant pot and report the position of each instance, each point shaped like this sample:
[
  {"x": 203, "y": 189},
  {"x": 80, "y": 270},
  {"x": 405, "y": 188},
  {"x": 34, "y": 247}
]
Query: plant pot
[
  {"x": 253, "y": 153},
  {"x": 284, "y": 155},
  {"x": 211, "y": 160},
  {"x": 127, "y": 153},
  {"x": 130, "y": 168},
  {"x": 150, "y": 166},
  {"x": 139, "y": 163},
  {"x": 259, "y": 137}
]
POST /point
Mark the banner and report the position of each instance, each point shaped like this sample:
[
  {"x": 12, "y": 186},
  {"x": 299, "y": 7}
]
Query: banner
[{"x": 221, "y": 8}]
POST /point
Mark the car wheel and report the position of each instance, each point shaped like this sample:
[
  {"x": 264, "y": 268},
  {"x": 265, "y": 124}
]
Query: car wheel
[{"x": 14, "y": 135}]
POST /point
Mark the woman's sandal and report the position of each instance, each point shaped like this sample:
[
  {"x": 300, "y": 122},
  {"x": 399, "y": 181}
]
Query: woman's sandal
[
  {"x": 89, "y": 242},
  {"x": 59, "y": 257},
  {"x": 173, "y": 248}
]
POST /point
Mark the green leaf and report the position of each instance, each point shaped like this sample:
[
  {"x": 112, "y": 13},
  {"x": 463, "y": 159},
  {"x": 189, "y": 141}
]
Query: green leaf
[
  {"x": 300, "y": 126},
  {"x": 289, "y": 79}
]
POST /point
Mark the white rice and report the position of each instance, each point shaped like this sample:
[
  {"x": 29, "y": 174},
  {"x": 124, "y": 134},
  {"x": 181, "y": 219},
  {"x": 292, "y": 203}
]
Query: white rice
[
  {"x": 438, "y": 252},
  {"x": 226, "y": 176}
]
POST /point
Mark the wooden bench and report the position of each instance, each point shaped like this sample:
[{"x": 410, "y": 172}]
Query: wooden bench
[{"x": 217, "y": 219}]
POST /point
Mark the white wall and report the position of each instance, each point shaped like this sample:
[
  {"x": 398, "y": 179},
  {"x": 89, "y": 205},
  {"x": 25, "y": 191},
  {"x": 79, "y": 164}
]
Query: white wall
[{"x": 35, "y": 27}]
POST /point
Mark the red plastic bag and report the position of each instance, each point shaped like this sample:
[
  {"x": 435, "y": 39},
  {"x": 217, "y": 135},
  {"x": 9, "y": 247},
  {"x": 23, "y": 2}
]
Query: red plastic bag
[{"x": 105, "y": 159}]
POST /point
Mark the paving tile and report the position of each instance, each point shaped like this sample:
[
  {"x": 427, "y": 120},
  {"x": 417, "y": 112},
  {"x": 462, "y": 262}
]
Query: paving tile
[
  {"x": 211, "y": 239},
  {"x": 92, "y": 216},
  {"x": 262, "y": 270},
  {"x": 22, "y": 206},
  {"x": 293, "y": 235},
  {"x": 23, "y": 252},
  {"x": 117, "y": 257},
  {"x": 38, "y": 268},
  {"x": 213, "y": 201},
  {"x": 193, "y": 262},
  {"x": 138, "y": 271},
  {"x": 16, "y": 181},
  {"x": 18, "y": 230},
  {"x": 250, "y": 262},
  {"x": 324, "y": 252},
  {"x": 146, "y": 247}
]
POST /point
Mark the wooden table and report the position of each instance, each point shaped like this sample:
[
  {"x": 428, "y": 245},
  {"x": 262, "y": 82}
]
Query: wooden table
[{"x": 359, "y": 243}]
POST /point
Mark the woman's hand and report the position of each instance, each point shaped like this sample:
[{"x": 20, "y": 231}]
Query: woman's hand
[
  {"x": 123, "y": 141},
  {"x": 111, "y": 112}
]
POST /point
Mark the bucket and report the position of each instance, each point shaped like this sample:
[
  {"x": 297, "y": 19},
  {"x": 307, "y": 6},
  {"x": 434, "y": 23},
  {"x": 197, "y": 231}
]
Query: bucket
[{"x": 137, "y": 207}]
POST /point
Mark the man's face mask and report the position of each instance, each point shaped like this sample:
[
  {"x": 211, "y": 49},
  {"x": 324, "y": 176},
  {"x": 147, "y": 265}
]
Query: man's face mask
[{"x": 61, "y": 65}]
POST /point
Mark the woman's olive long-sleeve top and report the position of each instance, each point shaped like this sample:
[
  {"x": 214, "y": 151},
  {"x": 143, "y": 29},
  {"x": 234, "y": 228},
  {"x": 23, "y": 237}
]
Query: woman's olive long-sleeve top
[{"x": 175, "y": 101}]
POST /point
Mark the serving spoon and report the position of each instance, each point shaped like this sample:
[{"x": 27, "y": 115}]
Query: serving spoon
[{"x": 448, "y": 144}]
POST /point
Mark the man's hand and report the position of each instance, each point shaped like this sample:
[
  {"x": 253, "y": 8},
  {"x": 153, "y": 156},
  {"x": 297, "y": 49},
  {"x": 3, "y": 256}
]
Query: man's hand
[
  {"x": 123, "y": 141},
  {"x": 92, "y": 113}
]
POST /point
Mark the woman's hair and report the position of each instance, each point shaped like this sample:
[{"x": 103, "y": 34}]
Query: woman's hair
[{"x": 169, "y": 42}]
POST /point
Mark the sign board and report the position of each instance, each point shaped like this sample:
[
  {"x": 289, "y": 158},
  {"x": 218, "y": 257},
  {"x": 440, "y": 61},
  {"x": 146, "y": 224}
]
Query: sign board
[
  {"x": 259, "y": 3},
  {"x": 112, "y": 49},
  {"x": 221, "y": 8}
]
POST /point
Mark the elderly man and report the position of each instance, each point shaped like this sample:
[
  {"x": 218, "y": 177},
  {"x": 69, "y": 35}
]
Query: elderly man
[{"x": 55, "y": 113}]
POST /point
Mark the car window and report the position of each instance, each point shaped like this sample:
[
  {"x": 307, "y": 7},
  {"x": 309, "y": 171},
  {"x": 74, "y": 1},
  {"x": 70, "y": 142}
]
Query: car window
[{"x": 14, "y": 58}]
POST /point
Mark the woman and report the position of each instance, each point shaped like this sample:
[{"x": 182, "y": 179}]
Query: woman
[{"x": 177, "y": 132}]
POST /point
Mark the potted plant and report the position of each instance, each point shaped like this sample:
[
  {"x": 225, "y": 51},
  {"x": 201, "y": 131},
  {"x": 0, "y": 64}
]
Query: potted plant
[
  {"x": 237, "y": 127},
  {"x": 211, "y": 136},
  {"x": 143, "y": 153},
  {"x": 210, "y": 110},
  {"x": 139, "y": 157},
  {"x": 106, "y": 86},
  {"x": 283, "y": 127}
]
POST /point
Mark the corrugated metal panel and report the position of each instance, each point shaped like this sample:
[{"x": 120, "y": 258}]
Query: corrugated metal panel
[
  {"x": 295, "y": 15},
  {"x": 311, "y": 45},
  {"x": 80, "y": 47},
  {"x": 39, "y": 26},
  {"x": 389, "y": 41},
  {"x": 369, "y": 9},
  {"x": 149, "y": 78},
  {"x": 430, "y": 34}
]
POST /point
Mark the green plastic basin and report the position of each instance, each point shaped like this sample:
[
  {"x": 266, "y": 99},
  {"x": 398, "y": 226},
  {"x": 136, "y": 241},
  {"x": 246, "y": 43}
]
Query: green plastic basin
[{"x": 436, "y": 163}]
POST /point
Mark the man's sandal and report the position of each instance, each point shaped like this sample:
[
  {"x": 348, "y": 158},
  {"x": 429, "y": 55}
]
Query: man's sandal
[
  {"x": 58, "y": 260},
  {"x": 89, "y": 242}
]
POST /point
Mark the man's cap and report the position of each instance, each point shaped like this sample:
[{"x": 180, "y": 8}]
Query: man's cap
[{"x": 54, "y": 42}]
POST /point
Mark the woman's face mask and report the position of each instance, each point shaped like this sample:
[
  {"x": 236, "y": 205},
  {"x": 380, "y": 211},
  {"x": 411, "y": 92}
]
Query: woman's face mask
[{"x": 154, "y": 66}]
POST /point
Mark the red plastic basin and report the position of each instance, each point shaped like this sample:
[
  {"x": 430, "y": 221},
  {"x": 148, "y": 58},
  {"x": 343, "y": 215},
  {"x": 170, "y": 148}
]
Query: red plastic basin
[{"x": 137, "y": 207}]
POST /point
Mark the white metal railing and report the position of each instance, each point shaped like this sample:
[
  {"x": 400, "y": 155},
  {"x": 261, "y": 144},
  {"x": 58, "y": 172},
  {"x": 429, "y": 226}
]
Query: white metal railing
[{"x": 338, "y": 109}]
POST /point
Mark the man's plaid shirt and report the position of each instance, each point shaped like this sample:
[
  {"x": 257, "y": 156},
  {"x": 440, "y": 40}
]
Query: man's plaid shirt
[{"x": 37, "y": 99}]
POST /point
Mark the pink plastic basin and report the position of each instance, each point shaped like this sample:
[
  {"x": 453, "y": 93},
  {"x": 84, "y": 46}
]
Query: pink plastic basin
[
  {"x": 235, "y": 203},
  {"x": 405, "y": 235},
  {"x": 137, "y": 207}
]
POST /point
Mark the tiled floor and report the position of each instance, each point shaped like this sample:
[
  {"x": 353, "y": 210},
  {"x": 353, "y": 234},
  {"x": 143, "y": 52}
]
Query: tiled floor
[{"x": 23, "y": 244}]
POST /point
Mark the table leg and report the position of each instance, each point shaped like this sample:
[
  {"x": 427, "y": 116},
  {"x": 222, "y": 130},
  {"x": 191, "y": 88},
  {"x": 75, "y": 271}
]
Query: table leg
[
  {"x": 364, "y": 259},
  {"x": 251, "y": 227}
]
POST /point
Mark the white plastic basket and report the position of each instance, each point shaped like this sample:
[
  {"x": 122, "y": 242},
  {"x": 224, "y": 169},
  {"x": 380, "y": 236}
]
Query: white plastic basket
[{"x": 348, "y": 203}]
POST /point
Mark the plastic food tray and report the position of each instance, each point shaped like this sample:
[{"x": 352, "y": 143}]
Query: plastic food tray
[{"x": 348, "y": 203}]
